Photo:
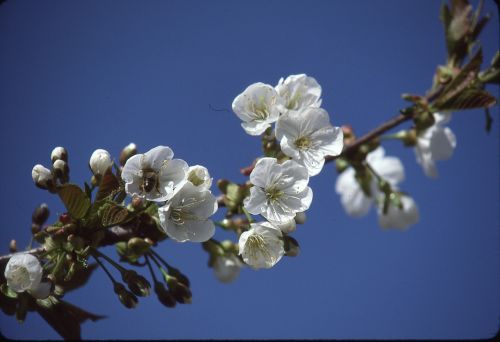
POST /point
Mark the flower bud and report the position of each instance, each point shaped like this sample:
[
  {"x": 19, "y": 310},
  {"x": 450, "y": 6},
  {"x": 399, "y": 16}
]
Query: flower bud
[
  {"x": 292, "y": 248},
  {"x": 138, "y": 246},
  {"x": 35, "y": 228},
  {"x": 128, "y": 299},
  {"x": 100, "y": 162},
  {"x": 40, "y": 214},
  {"x": 77, "y": 242},
  {"x": 42, "y": 177},
  {"x": 164, "y": 295},
  {"x": 136, "y": 283},
  {"x": 59, "y": 153},
  {"x": 300, "y": 218},
  {"x": 61, "y": 170},
  {"x": 181, "y": 293},
  {"x": 127, "y": 152},
  {"x": 13, "y": 246},
  {"x": 424, "y": 120}
]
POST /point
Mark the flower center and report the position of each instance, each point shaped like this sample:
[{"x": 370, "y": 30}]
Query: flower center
[
  {"x": 195, "y": 178},
  {"x": 303, "y": 143},
  {"x": 273, "y": 194},
  {"x": 21, "y": 277},
  {"x": 257, "y": 244},
  {"x": 260, "y": 109},
  {"x": 293, "y": 102},
  {"x": 149, "y": 180}
]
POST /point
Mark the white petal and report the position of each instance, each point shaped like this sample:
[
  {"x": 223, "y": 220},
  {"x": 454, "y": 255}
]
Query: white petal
[
  {"x": 256, "y": 202},
  {"x": 255, "y": 127},
  {"x": 227, "y": 268},
  {"x": 442, "y": 143},
  {"x": 155, "y": 157},
  {"x": 352, "y": 197},
  {"x": 399, "y": 218},
  {"x": 262, "y": 171},
  {"x": 41, "y": 291},
  {"x": 131, "y": 168},
  {"x": 389, "y": 168}
]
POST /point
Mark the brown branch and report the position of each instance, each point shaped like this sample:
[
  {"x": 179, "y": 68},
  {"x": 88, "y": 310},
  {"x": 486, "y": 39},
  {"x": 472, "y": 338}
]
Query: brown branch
[{"x": 348, "y": 149}]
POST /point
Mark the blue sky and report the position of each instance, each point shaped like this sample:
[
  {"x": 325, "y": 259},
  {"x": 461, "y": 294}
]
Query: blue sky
[{"x": 88, "y": 75}]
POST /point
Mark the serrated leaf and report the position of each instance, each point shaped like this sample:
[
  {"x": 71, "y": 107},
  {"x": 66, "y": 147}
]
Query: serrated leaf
[
  {"x": 75, "y": 200},
  {"x": 112, "y": 214},
  {"x": 469, "y": 99},
  {"x": 108, "y": 185},
  {"x": 466, "y": 77}
]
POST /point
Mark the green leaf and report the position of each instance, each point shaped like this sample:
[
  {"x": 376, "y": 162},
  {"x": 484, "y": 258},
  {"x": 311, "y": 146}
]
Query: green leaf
[
  {"x": 469, "y": 99},
  {"x": 112, "y": 214},
  {"x": 66, "y": 318},
  {"x": 75, "y": 200},
  {"x": 7, "y": 292},
  {"x": 109, "y": 185}
]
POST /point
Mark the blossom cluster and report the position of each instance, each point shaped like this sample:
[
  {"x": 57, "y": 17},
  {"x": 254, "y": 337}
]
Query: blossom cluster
[
  {"x": 183, "y": 191},
  {"x": 280, "y": 185}
]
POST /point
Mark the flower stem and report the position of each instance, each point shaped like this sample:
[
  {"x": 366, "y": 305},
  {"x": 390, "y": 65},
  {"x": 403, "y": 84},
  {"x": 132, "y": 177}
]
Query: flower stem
[
  {"x": 104, "y": 268},
  {"x": 108, "y": 259},
  {"x": 248, "y": 216}
]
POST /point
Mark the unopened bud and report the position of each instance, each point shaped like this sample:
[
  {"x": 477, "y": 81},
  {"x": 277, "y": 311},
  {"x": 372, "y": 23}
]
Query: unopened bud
[
  {"x": 61, "y": 170},
  {"x": 164, "y": 296},
  {"x": 410, "y": 137},
  {"x": 59, "y": 153},
  {"x": 136, "y": 283},
  {"x": 100, "y": 162},
  {"x": 300, "y": 218},
  {"x": 292, "y": 248},
  {"x": 42, "y": 177},
  {"x": 222, "y": 185},
  {"x": 40, "y": 214},
  {"x": 128, "y": 299},
  {"x": 13, "y": 246},
  {"x": 127, "y": 152},
  {"x": 77, "y": 242},
  {"x": 181, "y": 293},
  {"x": 424, "y": 120},
  {"x": 138, "y": 246},
  {"x": 137, "y": 202},
  {"x": 229, "y": 246},
  {"x": 65, "y": 218}
]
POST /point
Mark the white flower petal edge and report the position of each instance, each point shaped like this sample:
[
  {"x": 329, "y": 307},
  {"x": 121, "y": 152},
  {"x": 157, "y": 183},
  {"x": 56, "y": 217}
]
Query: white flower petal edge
[
  {"x": 198, "y": 175},
  {"x": 355, "y": 202},
  {"x": 23, "y": 272},
  {"x": 435, "y": 143},
  {"x": 279, "y": 191},
  {"x": 399, "y": 218},
  {"x": 154, "y": 175},
  {"x": 261, "y": 246},
  {"x": 186, "y": 216},
  {"x": 299, "y": 92},
  {"x": 257, "y": 107},
  {"x": 227, "y": 268},
  {"x": 307, "y": 137}
]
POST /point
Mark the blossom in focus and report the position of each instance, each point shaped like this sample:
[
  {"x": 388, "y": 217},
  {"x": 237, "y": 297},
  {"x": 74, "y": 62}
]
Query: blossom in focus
[
  {"x": 399, "y": 218},
  {"x": 227, "y": 267},
  {"x": 186, "y": 216},
  {"x": 354, "y": 200},
  {"x": 307, "y": 137},
  {"x": 100, "y": 162},
  {"x": 154, "y": 175},
  {"x": 257, "y": 107},
  {"x": 299, "y": 92},
  {"x": 261, "y": 246},
  {"x": 279, "y": 191},
  {"x": 41, "y": 176},
  {"x": 198, "y": 175},
  {"x": 23, "y": 272},
  {"x": 435, "y": 143}
]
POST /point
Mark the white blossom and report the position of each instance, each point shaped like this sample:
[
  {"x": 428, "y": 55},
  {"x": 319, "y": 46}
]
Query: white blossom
[
  {"x": 279, "y": 191},
  {"x": 400, "y": 218},
  {"x": 100, "y": 162},
  {"x": 41, "y": 175},
  {"x": 227, "y": 267},
  {"x": 257, "y": 107},
  {"x": 198, "y": 175},
  {"x": 355, "y": 202},
  {"x": 262, "y": 245},
  {"x": 59, "y": 153},
  {"x": 186, "y": 216},
  {"x": 154, "y": 175},
  {"x": 288, "y": 226},
  {"x": 299, "y": 92},
  {"x": 23, "y": 272},
  {"x": 307, "y": 137},
  {"x": 435, "y": 143}
]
